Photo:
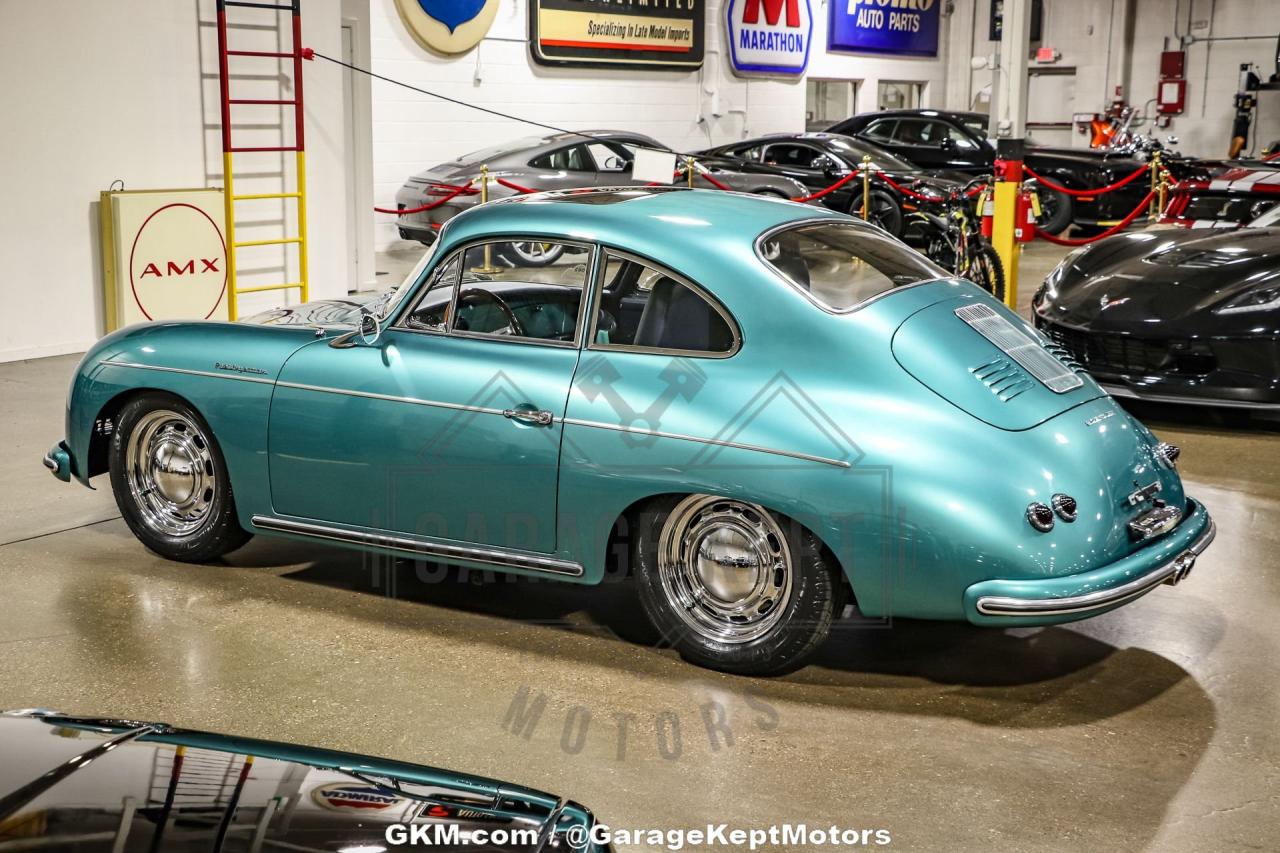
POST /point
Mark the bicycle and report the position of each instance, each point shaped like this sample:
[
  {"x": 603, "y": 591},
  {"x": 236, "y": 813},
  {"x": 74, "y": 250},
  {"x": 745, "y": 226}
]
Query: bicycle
[{"x": 953, "y": 238}]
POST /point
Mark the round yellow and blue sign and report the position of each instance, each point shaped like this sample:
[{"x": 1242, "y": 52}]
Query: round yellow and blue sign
[{"x": 448, "y": 26}]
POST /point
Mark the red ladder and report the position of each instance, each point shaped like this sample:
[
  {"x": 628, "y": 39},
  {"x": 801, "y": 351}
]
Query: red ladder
[{"x": 229, "y": 150}]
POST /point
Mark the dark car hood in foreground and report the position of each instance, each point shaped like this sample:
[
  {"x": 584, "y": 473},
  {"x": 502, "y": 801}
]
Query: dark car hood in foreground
[
  {"x": 1156, "y": 283},
  {"x": 174, "y": 790}
]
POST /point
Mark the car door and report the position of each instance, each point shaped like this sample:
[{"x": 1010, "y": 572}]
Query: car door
[{"x": 448, "y": 427}]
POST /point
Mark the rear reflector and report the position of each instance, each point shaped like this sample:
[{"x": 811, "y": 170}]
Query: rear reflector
[{"x": 1025, "y": 350}]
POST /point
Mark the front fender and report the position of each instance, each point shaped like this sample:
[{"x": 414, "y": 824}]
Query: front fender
[{"x": 226, "y": 371}]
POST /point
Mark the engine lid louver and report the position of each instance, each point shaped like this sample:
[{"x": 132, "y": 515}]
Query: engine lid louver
[{"x": 1025, "y": 350}]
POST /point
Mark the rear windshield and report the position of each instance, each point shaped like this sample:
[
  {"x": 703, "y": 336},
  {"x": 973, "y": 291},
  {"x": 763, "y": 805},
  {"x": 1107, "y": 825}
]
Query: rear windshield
[{"x": 841, "y": 265}]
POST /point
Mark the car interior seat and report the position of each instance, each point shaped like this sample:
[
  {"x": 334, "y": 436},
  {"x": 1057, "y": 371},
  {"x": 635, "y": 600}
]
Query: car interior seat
[{"x": 675, "y": 317}]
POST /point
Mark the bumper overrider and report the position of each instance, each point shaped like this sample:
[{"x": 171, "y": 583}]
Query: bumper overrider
[
  {"x": 1168, "y": 559},
  {"x": 58, "y": 461}
]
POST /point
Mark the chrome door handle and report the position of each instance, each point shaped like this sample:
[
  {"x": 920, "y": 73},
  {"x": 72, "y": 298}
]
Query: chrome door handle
[{"x": 529, "y": 416}]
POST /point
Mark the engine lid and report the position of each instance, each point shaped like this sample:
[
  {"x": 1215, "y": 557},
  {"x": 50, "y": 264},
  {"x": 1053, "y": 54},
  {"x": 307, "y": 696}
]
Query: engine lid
[{"x": 981, "y": 357}]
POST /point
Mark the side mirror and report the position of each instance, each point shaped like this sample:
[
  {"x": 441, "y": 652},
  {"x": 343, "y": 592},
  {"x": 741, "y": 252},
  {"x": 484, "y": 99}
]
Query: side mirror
[
  {"x": 370, "y": 329},
  {"x": 947, "y": 143}
]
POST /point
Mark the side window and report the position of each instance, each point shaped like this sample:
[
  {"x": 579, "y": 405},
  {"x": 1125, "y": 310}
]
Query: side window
[
  {"x": 881, "y": 129},
  {"x": 960, "y": 139},
  {"x": 795, "y": 156},
  {"x": 432, "y": 308},
  {"x": 642, "y": 306},
  {"x": 571, "y": 159},
  {"x": 746, "y": 152},
  {"x": 912, "y": 132},
  {"x": 610, "y": 158},
  {"x": 521, "y": 289}
]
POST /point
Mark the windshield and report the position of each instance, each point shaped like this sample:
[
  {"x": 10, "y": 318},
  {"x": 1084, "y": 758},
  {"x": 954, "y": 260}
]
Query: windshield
[
  {"x": 841, "y": 265},
  {"x": 977, "y": 125},
  {"x": 397, "y": 295},
  {"x": 855, "y": 149}
]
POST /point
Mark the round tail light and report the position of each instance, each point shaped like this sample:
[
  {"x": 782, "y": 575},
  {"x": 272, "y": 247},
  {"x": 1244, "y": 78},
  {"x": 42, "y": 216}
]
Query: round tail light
[
  {"x": 1065, "y": 507},
  {"x": 1040, "y": 517}
]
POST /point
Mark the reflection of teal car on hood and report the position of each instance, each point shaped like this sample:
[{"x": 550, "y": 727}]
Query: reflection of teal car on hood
[
  {"x": 98, "y": 785},
  {"x": 757, "y": 408}
]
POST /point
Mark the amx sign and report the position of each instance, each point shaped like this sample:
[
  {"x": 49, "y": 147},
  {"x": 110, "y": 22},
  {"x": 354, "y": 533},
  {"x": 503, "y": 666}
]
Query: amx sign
[
  {"x": 906, "y": 27},
  {"x": 769, "y": 36}
]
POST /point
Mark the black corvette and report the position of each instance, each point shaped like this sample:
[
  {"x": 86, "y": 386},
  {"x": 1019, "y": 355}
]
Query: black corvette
[
  {"x": 937, "y": 139},
  {"x": 819, "y": 160},
  {"x": 1172, "y": 315}
]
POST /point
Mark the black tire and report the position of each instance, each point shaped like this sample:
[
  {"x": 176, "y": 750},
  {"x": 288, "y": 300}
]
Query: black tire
[
  {"x": 1056, "y": 211},
  {"x": 531, "y": 254},
  {"x": 780, "y": 639},
  {"x": 885, "y": 210},
  {"x": 170, "y": 480},
  {"x": 986, "y": 270}
]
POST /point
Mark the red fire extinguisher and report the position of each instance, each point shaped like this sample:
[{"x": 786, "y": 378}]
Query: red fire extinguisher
[{"x": 1026, "y": 212}]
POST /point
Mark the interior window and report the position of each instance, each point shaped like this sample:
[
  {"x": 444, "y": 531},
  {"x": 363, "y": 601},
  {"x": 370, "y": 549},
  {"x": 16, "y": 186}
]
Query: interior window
[
  {"x": 796, "y": 156},
  {"x": 842, "y": 265},
  {"x": 881, "y": 129},
  {"x": 573, "y": 158},
  {"x": 915, "y": 132},
  {"x": 432, "y": 307},
  {"x": 746, "y": 152},
  {"x": 521, "y": 289},
  {"x": 644, "y": 306},
  {"x": 960, "y": 138},
  {"x": 610, "y": 158}
]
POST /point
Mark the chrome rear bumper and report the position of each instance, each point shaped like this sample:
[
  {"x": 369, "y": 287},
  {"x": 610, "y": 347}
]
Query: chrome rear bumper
[{"x": 1170, "y": 572}]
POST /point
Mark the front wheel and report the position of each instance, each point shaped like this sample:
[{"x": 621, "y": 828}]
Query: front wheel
[
  {"x": 985, "y": 269},
  {"x": 883, "y": 210},
  {"x": 531, "y": 254},
  {"x": 1056, "y": 211},
  {"x": 170, "y": 481},
  {"x": 733, "y": 586}
]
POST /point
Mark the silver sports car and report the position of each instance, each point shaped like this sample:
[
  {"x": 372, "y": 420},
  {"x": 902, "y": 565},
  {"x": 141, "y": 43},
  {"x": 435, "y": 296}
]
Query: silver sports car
[{"x": 563, "y": 161}]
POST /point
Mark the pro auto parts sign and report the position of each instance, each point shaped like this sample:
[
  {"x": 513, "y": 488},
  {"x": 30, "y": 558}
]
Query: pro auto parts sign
[
  {"x": 640, "y": 34},
  {"x": 902, "y": 27}
]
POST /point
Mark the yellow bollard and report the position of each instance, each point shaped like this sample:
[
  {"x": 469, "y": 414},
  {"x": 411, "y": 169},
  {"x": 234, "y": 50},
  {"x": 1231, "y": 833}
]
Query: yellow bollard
[
  {"x": 1153, "y": 209},
  {"x": 866, "y": 185}
]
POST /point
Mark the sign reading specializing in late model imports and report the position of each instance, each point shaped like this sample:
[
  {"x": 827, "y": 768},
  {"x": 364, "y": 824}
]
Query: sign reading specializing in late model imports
[
  {"x": 769, "y": 36},
  {"x": 904, "y": 27},
  {"x": 642, "y": 34}
]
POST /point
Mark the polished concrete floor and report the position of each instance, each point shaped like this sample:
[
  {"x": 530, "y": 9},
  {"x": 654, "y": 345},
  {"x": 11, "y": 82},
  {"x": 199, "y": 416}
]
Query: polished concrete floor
[{"x": 1154, "y": 727}]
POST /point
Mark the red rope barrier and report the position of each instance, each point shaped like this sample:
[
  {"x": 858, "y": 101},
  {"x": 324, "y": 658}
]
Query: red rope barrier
[
  {"x": 837, "y": 185},
  {"x": 456, "y": 191},
  {"x": 1115, "y": 229},
  {"x": 511, "y": 185},
  {"x": 706, "y": 176},
  {"x": 906, "y": 190},
  {"x": 1123, "y": 182}
]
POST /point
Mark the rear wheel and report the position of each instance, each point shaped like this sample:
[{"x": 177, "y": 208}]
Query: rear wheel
[
  {"x": 170, "y": 481},
  {"x": 986, "y": 270},
  {"x": 883, "y": 210},
  {"x": 733, "y": 586},
  {"x": 1056, "y": 210}
]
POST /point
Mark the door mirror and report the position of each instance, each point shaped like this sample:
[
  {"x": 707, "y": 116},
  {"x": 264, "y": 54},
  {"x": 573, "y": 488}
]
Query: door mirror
[
  {"x": 370, "y": 329},
  {"x": 947, "y": 143}
]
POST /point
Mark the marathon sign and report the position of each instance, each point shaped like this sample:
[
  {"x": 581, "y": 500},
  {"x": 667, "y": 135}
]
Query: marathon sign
[
  {"x": 901, "y": 27},
  {"x": 769, "y": 36}
]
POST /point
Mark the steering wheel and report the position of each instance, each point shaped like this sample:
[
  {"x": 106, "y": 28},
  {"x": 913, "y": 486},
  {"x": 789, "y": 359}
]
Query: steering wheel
[{"x": 514, "y": 326}]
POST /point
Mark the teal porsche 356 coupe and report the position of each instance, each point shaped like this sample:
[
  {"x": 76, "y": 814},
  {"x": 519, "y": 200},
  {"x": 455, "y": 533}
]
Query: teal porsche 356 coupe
[{"x": 760, "y": 410}]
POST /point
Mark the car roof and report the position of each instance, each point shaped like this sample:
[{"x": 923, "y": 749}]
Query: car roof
[{"x": 688, "y": 230}]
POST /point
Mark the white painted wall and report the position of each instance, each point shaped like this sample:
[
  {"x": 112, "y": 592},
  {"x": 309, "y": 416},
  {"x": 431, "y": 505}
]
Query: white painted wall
[
  {"x": 1110, "y": 45},
  {"x": 128, "y": 90},
  {"x": 688, "y": 111}
]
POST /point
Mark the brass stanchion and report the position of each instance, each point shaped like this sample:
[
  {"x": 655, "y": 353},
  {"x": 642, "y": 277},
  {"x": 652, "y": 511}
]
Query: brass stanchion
[
  {"x": 866, "y": 185},
  {"x": 688, "y": 170},
  {"x": 1153, "y": 209},
  {"x": 488, "y": 267},
  {"x": 1162, "y": 194}
]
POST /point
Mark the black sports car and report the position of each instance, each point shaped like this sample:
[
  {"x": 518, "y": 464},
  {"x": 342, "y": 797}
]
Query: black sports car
[
  {"x": 936, "y": 139},
  {"x": 819, "y": 160},
  {"x": 1172, "y": 315}
]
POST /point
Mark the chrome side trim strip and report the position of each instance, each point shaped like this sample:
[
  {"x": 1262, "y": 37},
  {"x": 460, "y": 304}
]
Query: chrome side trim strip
[
  {"x": 491, "y": 555},
  {"x": 715, "y": 442},
  {"x": 1170, "y": 572},
  {"x": 417, "y": 401},
  {"x": 236, "y": 376}
]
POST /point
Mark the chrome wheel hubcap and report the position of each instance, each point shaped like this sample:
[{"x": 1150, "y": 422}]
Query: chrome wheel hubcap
[
  {"x": 725, "y": 568},
  {"x": 170, "y": 473}
]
